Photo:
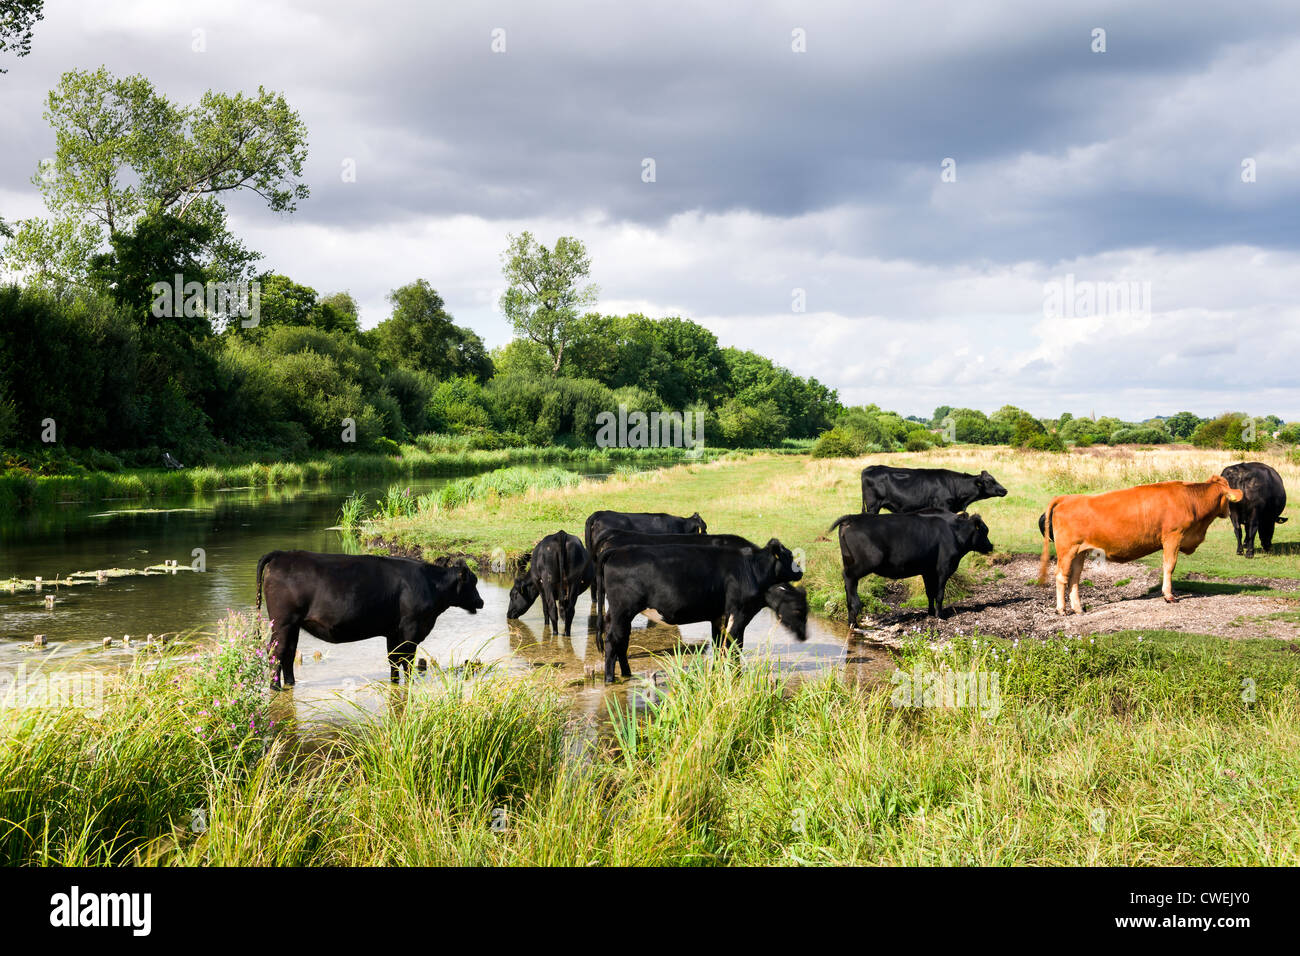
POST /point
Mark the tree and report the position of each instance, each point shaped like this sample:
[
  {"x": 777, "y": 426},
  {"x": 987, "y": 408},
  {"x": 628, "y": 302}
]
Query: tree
[
  {"x": 546, "y": 293},
  {"x": 422, "y": 336},
  {"x": 17, "y": 20},
  {"x": 124, "y": 151},
  {"x": 157, "y": 250},
  {"x": 1182, "y": 425},
  {"x": 338, "y": 313}
]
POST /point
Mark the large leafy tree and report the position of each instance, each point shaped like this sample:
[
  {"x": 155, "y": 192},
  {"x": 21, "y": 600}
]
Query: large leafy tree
[
  {"x": 547, "y": 291},
  {"x": 420, "y": 335},
  {"x": 124, "y": 151},
  {"x": 17, "y": 21},
  {"x": 160, "y": 248}
]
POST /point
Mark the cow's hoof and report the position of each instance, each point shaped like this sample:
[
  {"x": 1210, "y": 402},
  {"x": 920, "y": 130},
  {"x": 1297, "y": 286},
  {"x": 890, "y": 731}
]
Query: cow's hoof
[{"x": 1250, "y": 554}]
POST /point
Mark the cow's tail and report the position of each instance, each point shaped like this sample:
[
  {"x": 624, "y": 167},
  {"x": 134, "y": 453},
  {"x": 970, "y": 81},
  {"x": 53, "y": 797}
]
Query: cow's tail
[
  {"x": 1045, "y": 526},
  {"x": 564, "y": 565},
  {"x": 261, "y": 566},
  {"x": 839, "y": 521}
]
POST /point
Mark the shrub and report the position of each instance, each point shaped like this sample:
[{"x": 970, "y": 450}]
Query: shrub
[{"x": 839, "y": 443}]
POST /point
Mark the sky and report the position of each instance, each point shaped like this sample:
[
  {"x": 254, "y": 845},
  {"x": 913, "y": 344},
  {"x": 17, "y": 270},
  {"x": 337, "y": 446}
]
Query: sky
[{"x": 917, "y": 203}]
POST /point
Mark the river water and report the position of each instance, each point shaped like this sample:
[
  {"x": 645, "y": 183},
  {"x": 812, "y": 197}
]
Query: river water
[{"x": 235, "y": 527}]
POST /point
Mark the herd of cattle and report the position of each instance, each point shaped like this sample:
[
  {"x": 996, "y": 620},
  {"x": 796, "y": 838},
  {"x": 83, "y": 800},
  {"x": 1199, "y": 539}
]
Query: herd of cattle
[{"x": 673, "y": 570}]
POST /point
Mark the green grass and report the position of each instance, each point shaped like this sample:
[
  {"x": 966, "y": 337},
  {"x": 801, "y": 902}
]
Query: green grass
[
  {"x": 796, "y": 499},
  {"x": 1135, "y": 749},
  {"x": 22, "y": 490}
]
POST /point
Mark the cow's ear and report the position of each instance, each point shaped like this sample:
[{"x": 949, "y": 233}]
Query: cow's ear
[{"x": 1235, "y": 494}]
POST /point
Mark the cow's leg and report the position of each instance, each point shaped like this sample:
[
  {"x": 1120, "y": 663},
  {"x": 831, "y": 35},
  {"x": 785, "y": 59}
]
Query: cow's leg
[
  {"x": 1252, "y": 529},
  {"x": 617, "y": 639},
  {"x": 401, "y": 652},
  {"x": 1076, "y": 574},
  {"x": 570, "y": 608},
  {"x": 934, "y": 593},
  {"x": 851, "y": 599},
  {"x": 1170, "y": 562},
  {"x": 1235, "y": 515},
  {"x": 1064, "y": 563},
  {"x": 284, "y": 645},
  {"x": 549, "y": 610},
  {"x": 1266, "y": 534}
]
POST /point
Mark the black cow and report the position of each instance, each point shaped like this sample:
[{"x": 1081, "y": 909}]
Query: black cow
[
  {"x": 907, "y": 490},
  {"x": 930, "y": 543},
  {"x": 691, "y": 583},
  {"x": 341, "y": 598},
  {"x": 612, "y": 539},
  {"x": 1262, "y": 506},
  {"x": 558, "y": 570},
  {"x": 601, "y": 523}
]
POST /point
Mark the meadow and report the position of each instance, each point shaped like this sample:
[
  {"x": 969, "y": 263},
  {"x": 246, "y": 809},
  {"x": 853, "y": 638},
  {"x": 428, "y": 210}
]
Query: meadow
[{"x": 795, "y": 499}]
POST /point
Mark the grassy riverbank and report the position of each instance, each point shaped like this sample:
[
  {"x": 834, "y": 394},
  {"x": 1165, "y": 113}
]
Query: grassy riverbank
[
  {"x": 1138, "y": 749},
  {"x": 22, "y": 490},
  {"x": 796, "y": 499}
]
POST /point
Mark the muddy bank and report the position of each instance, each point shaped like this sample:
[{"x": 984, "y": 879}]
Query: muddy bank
[{"x": 1004, "y": 601}]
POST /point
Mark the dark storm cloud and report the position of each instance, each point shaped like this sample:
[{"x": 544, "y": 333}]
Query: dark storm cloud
[{"x": 438, "y": 124}]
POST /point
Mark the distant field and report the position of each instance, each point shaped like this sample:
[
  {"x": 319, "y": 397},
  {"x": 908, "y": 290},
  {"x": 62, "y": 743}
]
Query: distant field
[{"x": 796, "y": 499}]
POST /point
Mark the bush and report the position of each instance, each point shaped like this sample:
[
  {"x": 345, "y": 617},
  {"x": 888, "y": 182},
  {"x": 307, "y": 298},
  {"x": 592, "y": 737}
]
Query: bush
[
  {"x": 1290, "y": 433},
  {"x": 1228, "y": 431},
  {"x": 742, "y": 425},
  {"x": 839, "y": 443}
]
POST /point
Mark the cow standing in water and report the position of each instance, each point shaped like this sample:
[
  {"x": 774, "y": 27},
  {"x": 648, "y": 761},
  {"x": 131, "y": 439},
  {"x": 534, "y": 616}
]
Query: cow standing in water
[
  {"x": 601, "y": 523},
  {"x": 341, "y": 598},
  {"x": 692, "y": 583},
  {"x": 557, "y": 570},
  {"x": 1125, "y": 525},
  {"x": 907, "y": 490},
  {"x": 1264, "y": 500}
]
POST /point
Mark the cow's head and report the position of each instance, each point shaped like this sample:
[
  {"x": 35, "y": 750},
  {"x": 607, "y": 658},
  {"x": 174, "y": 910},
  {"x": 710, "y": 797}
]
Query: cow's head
[
  {"x": 696, "y": 524},
  {"x": 988, "y": 486},
  {"x": 973, "y": 534},
  {"x": 522, "y": 595},
  {"x": 784, "y": 566},
  {"x": 465, "y": 588},
  {"x": 1224, "y": 494},
  {"x": 790, "y": 604}
]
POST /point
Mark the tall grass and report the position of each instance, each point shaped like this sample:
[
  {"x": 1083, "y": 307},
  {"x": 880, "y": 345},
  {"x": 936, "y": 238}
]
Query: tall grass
[
  {"x": 1133, "y": 749},
  {"x": 502, "y": 483},
  {"x": 88, "y": 787}
]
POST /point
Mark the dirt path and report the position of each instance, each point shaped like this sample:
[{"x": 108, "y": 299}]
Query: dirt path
[{"x": 1116, "y": 597}]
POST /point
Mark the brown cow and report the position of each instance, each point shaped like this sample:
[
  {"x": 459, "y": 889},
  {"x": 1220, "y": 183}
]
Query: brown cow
[{"x": 1125, "y": 525}]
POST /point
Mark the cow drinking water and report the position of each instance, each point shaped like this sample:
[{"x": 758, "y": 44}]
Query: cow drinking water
[
  {"x": 690, "y": 583},
  {"x": 557, "y": 570},
  {"x": 341, "y": 598}
]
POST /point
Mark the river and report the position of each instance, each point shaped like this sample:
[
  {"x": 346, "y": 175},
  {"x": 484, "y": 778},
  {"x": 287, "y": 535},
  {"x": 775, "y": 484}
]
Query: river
[{"x": 235, "y": 527}]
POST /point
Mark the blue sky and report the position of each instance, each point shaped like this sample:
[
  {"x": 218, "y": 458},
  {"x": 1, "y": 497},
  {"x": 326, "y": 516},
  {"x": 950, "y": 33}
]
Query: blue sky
[{"x": 779, "y": 170}]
